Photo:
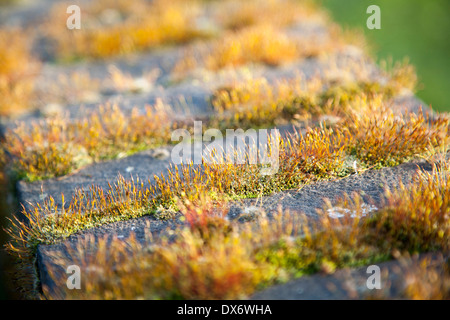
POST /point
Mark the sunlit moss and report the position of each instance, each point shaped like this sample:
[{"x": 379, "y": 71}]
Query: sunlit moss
[
  {"x": 18, "y": 70},
  {"x": 56, "y": 147},
  {"x": 214, "y": 258},
  {"x": 260, "y": 44},
  {"x": 120, "y": 27}
]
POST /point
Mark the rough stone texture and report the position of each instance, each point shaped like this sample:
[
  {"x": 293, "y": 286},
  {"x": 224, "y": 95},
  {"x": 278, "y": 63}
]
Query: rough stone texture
[
  {"x": 53, "y": 260},
  {"x": 190, "y": 99},
  {"x": 142, "y": 165},
  {"x": 371, "y": 185},
  {"x": 309, "y": 199}
]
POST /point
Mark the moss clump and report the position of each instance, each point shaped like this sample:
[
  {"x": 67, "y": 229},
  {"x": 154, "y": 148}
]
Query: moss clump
[
  {"x": 125, "y": 28},
  {"x": 260, "y": 44},
  {"x": 18, "y": 70},
  {"x": 257, "y": 103},
  {"x": 319, "y": 154},
  {"x": 57, "y": 147}
]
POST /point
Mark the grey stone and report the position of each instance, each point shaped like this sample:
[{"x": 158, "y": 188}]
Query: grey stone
[
  {"x": 189, "y": 98},
  {"x": 307, "y": 200}
]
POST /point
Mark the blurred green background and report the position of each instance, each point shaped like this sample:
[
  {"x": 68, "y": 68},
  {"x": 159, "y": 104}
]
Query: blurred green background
[{"x": 417, "y": 29}]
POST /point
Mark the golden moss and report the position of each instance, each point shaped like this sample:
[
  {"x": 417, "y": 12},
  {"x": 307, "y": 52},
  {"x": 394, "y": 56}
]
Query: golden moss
[
  {"x": 120, "y": 27},
  {"x": 56, "y": 147},
  {"x": 263, "y": 44},
  {"x": 428, "y": 281},
  {"x": 59, "y": 146},
  {"x": 319, "y": 154},
  {"x": 278, "y": 13},
  {"x": 235, "y": 261},
  {"x": 17, "y": 72},
  {"x": 212, "y": 257},
  {"x": 257, "y": 103},
  {"x": 388, "y": 140}
]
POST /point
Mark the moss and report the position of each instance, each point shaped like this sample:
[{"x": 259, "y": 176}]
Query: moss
[
  {"x": 258, "y": 104},
  {"x": 263, "y": 43},
  {"x": 217, "y": 259},
  {"x": 58, "y": 146},
  {"x": 18, "y": 71},
  {"x": 136, "y": 26},
  {"x": 213, "y": 257},
  {"x": 320, "y": 154}
]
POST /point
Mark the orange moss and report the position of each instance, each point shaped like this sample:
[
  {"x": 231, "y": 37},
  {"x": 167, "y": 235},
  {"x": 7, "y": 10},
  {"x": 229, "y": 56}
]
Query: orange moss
[
  {"x": 124, "y": 27},
  {"x": 17, "y": 72}
]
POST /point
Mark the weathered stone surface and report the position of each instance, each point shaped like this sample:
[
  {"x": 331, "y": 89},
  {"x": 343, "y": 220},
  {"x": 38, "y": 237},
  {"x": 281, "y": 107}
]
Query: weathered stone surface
[
  {"x": 371, "y": 185},
  {"x": 57, "y": 257},
  {"x": 189, "y": 98},
  {"x": 143, "y": 165}
]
